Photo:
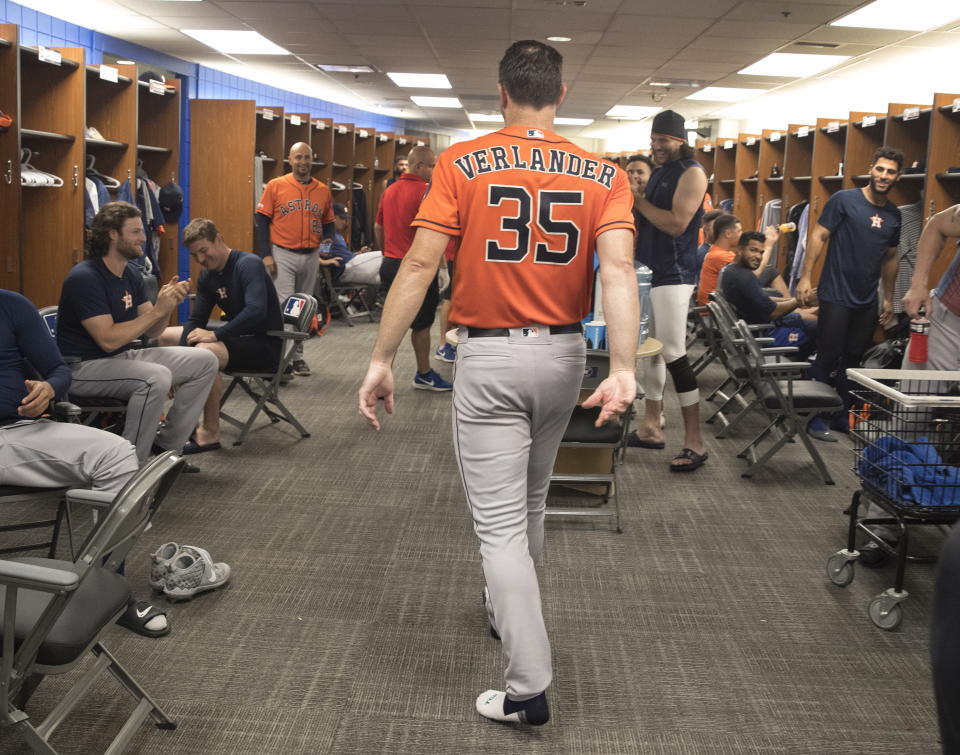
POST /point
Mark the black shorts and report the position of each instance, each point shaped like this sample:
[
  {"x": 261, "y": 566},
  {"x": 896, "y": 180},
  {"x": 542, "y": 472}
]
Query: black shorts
[
  {"x": 431, "y": 300},
  {"x": 253, "y": 353},
  {"x": 445, "y": 294}
]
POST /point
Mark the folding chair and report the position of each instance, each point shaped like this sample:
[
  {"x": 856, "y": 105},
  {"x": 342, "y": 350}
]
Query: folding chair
[
  {"x": 54, "y": 613},
  {"x": 331, "y": 290},
  {"x": 92, "y": 407},
  {"x": 789, "y": 399},
  {"x": 583, "y": 435},
  {"x": 263, "y": 387}
]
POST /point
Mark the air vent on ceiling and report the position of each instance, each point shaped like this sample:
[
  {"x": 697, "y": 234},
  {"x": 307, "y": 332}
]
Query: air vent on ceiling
[
  {"x": 571, "y": 3},
  {"x": 821, "y": 45}
]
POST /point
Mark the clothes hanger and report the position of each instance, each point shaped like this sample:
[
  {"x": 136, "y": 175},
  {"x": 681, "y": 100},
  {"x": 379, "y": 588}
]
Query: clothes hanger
[{"x": 109, "y": 181}]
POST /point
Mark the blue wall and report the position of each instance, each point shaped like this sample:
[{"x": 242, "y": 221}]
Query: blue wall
[{"x": 199, "y": 81}]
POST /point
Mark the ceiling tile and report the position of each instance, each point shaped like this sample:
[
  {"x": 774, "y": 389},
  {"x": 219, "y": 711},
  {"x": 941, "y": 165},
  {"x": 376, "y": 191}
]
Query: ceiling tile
[
  {"x": 270, "y": 10},
  {"x": 735, "y": 30},
  {"x": 795, "y": 13}
]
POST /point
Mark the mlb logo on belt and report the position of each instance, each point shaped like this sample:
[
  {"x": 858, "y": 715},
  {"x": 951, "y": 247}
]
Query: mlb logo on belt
[
  {"x": 535, "y": 133},
  {"x": 294, "y": 306},
  {"x": 530, "y": 332}
]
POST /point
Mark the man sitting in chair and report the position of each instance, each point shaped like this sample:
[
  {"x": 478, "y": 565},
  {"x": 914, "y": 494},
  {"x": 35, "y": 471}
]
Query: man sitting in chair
[
  {"x": 103, "y": 311},
  {"x": 239, "y": 284},
  {"x": 362, "y": 268}
]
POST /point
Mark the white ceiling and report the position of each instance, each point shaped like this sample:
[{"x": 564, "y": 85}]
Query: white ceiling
[{"x": 618, "y": 46}]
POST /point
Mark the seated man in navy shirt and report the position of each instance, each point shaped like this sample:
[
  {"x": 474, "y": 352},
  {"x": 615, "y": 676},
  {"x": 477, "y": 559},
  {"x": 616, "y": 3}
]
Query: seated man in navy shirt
[
  {"x": 741, "y": 288},
  {"x": 362, "y": 268},
  {"x": 103, "y": 310},
  {"x": 240, "y": 285}
]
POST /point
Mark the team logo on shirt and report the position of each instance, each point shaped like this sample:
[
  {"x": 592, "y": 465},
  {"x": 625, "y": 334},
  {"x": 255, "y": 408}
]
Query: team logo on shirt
[
  {"x": 876, "y": 221},
  {"x": 222, "y": 292},
  {"x": 534, "y": 133},
  {"x": 127, "y": 300}
]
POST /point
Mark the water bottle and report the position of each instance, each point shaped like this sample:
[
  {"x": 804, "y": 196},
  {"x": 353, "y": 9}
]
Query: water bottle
[
  {"x": 644, "y": 283},
  {"x": 919, "y": 336},
  {"x": 787, "y": 227}
]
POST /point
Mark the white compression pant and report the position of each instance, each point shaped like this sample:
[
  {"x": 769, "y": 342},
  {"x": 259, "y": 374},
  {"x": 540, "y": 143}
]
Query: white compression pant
[{"x": 670, "y": 305}]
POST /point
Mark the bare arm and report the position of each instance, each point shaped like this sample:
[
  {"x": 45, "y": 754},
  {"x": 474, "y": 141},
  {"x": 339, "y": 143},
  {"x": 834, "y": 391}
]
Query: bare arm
[
  {"x": 771, "y": 236},
  {"x": 784, "y": 306},
  {"x": 622, "y": 311},
  {"x": 888, "y": 276},
  {"x": 686, "y": 201},
  {"x": 818, "y": 242},
  {"x": 932, "y": 244}
]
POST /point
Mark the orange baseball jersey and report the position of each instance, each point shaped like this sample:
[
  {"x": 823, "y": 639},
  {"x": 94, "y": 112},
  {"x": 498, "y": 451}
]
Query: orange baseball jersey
[
  {"x": 528, "y": 206},
  {"x": 297, "y": 211}
]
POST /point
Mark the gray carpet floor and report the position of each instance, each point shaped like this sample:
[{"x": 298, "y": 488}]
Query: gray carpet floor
[{"x": 353, "y": 622}]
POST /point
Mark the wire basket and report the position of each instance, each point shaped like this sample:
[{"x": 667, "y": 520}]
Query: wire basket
[{"x": 906, "y": 430}]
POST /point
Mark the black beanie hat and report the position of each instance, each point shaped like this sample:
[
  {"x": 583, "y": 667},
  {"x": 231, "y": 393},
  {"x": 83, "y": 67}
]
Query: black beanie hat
[{"x": 669, "y": 123}]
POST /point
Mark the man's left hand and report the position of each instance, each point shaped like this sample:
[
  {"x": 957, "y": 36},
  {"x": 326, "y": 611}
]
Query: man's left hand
[
  {"x": 38, "y": 398},
  {"x": 614, "y": 396},
  {"x": 886, "y": 314},
  {"x": 199, "y": 335},
  {"x": 771, "y": 234},
  {"x": 377, "y": 384}
]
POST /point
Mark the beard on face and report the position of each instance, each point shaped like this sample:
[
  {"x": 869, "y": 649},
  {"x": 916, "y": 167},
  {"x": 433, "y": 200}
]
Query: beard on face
[
  {"x": 877, "y": 189},
  {"x": 129, "y": 250}
]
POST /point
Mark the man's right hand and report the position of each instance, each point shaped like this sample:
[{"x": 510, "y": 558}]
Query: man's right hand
[
  {"x": 270, "y": 265},
  {"x": 805, "y": 293},
  {"x": 916, "y": 297},
  {"x": 171, "y": 294},
  {"x": 614, "y": 395}
]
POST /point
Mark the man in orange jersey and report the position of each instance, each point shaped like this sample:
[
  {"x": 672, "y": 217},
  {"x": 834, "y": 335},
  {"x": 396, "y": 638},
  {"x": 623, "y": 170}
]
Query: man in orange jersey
[
  {"x": 294, "y": 213},
  {"x": 529, "y": 208}
]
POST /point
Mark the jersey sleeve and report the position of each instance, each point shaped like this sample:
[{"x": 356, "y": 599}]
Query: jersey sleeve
[
  {"x": 833, "y": 213},
  {"x": 618, "y": 209},
  {"x": 267, "y": 200},
  {"x": 438, "y": 210},
  {"x": 86, "y": 295}
]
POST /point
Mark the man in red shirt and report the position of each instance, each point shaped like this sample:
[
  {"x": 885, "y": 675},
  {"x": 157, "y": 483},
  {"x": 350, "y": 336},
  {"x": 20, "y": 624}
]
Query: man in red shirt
[
  {"x": 394, "y": 234},
  {"x": 529, "y": 208}
]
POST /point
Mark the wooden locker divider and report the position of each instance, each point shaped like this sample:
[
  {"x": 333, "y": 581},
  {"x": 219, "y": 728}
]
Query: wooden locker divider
[
  {"x": 943, "y": 188},
  {"x": 773, "y": 145},
  {"x": 270, "y": 122},
  {"x": 321, "y": 139},
  {"x": 797, "y": 169},
  {"x": 908, "y": 129},
  {"x": 222, "y": 146},
  {"x": 52, "y": 126},
  {"x": 296, "y": 129},
  {"x": 864, "y": 135},
  {"x": 724, "y": 170},
  {"x": 383, "y": 169},
  {"x": 158, "y": 148},
  {"x": 112, "y": 111},
  {"x": 747, "y": 180},
  {"x": 829, "y": 140},
  {"x": 365, "y": 158},
  {"x": 344, "y": 152},
  {"x": 10, "y": 159},
  {"x": 704, "y": 154}
]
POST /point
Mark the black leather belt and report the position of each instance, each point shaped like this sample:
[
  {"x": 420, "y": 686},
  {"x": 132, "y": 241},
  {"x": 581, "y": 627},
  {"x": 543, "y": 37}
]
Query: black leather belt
[
  {"x": 307, "y": 250},
  {"x": 555, "y": 330}
]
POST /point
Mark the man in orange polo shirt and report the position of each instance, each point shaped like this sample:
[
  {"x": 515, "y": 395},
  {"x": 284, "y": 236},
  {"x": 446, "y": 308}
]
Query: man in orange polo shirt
[
  {"x": 394, "y": 234},
  {"x": 293, "y": 215}
]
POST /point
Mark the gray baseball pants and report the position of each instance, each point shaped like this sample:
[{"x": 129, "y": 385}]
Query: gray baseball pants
[
  {"x": 512, "y": 400},
  {"x": 296, "y": 274},
  {"x": 143, "y": 378},
  {"x": 44, "y": 454}
]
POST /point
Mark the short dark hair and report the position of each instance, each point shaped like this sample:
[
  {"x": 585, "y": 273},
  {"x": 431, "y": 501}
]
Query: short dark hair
[
  {"x": 111, "y": 217},
  {"x": 199, "y": 228},
  {"x": 724, "y": 223},
  {"x": 638, "y": 158},
  {"x": 711, "y": 215},
  {"x": 747, "y": 236},
  {"x": 530, "y": 71},
  {"x": 889, "y": 153}
]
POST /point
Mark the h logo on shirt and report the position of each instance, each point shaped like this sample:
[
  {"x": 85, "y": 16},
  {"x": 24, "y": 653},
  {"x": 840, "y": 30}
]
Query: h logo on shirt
[
  {"x": 127, "y": 300},
  {"x": 222, "y": 292}
]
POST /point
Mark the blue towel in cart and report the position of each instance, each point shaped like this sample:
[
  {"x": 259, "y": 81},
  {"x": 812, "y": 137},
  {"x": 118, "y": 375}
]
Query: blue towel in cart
[{"x": 911, "y": 473}]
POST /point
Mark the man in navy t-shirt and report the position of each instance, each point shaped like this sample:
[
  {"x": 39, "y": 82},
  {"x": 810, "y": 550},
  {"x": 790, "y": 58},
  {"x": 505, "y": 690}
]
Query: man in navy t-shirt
[
  {"x": 859, "y": 229},
  {"x": 103, "y": 310},
  {"x": 239, "y": 284}
]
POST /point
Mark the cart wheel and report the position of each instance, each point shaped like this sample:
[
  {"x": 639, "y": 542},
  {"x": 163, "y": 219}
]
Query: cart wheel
[
  {"x": 883, "y": 614},
  {"x": 840, "y": 570}
]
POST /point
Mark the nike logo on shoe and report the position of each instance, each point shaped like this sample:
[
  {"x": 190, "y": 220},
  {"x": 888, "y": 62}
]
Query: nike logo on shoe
[{"x": 144, "y": 612}]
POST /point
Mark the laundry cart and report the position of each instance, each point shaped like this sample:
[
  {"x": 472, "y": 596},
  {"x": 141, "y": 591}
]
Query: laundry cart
[{"x": 906, "y": 430}]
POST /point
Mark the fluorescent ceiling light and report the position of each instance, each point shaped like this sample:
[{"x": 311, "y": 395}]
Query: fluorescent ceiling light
[
  {"x": 436, "y": 101},
  {"x": 486, "y": 117},
  {"x": 916, "y": 15},
  {"x": 421, "y": 80},
  {"x": 236, "y": 42},
  {"x": 558, "y": 39},
  {"x": 659, "y": 83},
  {"x": 573, "y": 121},
  {"x": 345, "y": 69},
  {"x": 792, "y": 64},
  {"x": 725, "y": 94},
  {"x": 632, "y": 112},
  {"x": 126, "y": 62}
]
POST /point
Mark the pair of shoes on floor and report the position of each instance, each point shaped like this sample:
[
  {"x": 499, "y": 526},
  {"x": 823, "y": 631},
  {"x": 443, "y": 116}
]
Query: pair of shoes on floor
[
  {"x": 188, "y": 468},
  {"x": 141, "y": 617},
  {"x": 818, "y": 430},
  {"x": 635, "y": 441},
  {"x": 431, "y": 381},
  {"x": 300, "y": 368},
  {"x": 446, "y": 353},
  {"x": 183, "y": 571},
  {"x": 873, "y": 555}
]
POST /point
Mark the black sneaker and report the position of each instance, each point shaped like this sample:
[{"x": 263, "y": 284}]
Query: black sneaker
[
  {"x": 300, "y": 368},
  {"x": 872, "y": 555}
]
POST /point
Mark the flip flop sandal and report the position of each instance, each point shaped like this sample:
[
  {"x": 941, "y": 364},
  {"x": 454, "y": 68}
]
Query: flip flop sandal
[
  {"x": 696, "y": 460},
  {"x": 193, "y": 572},
  {"x": 160, "y": 569},
  {"x": 635, "y": 441},
  {"x": 192, "y": 447},
  {"x": 139, "y": 614}
]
